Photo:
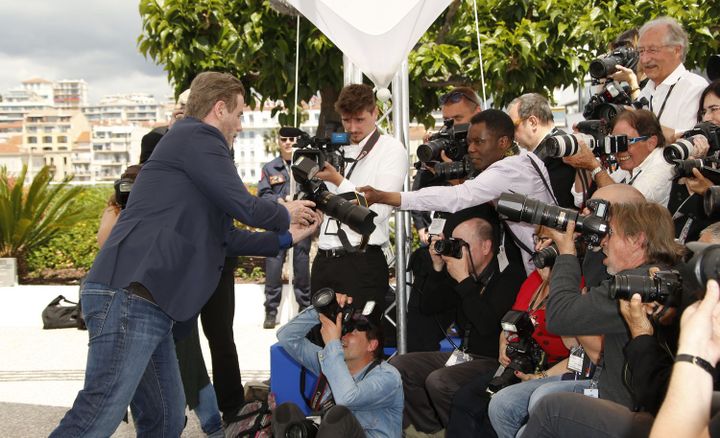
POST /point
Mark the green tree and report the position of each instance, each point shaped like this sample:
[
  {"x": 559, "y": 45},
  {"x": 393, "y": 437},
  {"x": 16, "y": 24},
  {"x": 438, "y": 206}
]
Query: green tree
[
  {"x": 530, "y": 45},
  {"x": 30, "y": 218}
]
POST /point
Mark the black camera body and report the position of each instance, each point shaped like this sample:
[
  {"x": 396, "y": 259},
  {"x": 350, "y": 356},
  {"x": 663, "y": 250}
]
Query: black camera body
[
  {"x": 122, "y": 188},
  {"x": 524, "y": 352},
  {"x": 594, "y": 134},
  {"x": 684, "y": 147},
  {"x": 325, "y": 302},
  {"x": 451, "y": 247},
  {"x": 610, "y": 101},
  {"x": 451, "y": 138},
  {"x": 319, "y": 150},
  {"x": 520, "y": 208},
  {"x": 314, "y": 152}
]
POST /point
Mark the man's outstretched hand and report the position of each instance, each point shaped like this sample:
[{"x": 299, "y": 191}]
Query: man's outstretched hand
[{"x": 374, "y": 196}]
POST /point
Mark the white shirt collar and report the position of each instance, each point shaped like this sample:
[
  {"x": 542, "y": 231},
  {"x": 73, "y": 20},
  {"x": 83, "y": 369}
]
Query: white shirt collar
[{"x": 671, "y": 79}]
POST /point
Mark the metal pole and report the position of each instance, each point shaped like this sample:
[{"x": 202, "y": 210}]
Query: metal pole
[{"x": 400, "y": 112}]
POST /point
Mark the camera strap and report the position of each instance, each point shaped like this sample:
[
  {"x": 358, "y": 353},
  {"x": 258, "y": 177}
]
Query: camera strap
[
  {"x": 518, "y": 241},
  {"x": 542, "y": 177},
  {"x": 374, "y": 137}
]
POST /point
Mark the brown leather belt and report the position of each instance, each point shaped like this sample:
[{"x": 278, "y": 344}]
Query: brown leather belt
[{"x": 141, "y": 291}]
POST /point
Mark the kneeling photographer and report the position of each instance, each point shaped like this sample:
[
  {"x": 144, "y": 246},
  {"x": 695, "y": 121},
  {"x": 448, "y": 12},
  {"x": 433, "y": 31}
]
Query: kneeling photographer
[{"x": 358, "y": 394}]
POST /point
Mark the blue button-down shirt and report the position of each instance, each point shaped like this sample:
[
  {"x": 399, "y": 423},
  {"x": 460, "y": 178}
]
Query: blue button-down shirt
[{"x": 375, "y": 399}]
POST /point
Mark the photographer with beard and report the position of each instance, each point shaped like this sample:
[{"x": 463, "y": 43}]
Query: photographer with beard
[
  {"x": 650, "y": 355},
  {"x": 358, "y": 393},
  {"x": 639, "y": 238}
]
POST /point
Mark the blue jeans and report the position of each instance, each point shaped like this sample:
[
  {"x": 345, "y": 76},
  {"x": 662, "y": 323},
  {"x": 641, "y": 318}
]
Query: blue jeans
[
  {"x": 131, "y": 358},
  {"x": 509, "y": 408},
  {"x": 208, "y": 413}
]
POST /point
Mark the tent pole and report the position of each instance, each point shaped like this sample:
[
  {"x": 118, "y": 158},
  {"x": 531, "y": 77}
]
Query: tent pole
[{"x": 400, "y": 118}]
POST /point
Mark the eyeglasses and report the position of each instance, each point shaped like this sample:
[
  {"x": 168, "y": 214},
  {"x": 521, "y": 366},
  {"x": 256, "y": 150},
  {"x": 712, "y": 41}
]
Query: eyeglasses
[
  {"x": 518, "y": 122},
  {"x": 653, "y": 50},
  {"x": 291, "y": 139},
  {"x": 712, "y": 109},
  {"x": 638, "y": 139},
  {"x": 456, "y": 96},
  {"x": 537, "y": 239}
]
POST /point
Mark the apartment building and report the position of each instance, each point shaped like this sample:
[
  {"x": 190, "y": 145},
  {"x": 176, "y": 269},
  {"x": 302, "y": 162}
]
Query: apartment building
[{"x": 70, "y": 94}]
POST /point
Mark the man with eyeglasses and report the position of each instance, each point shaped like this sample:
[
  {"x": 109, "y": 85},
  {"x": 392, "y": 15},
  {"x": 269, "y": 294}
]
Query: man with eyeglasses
[
  {"x": 534, "y": 124},
  {"x": 275, "y": 185},
  {"x": 672, "y": 91}
]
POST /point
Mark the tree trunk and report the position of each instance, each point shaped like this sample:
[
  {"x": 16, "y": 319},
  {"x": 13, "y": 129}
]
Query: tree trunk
[{"x": 329, "y": 120}]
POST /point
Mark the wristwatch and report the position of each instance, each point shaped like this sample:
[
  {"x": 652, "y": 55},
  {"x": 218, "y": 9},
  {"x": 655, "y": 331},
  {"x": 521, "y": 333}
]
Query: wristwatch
[{"x": 595, "y": 171}]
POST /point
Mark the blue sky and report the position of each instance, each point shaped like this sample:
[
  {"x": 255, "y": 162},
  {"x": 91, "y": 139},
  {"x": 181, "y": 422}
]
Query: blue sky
[{"x": 94, "y": 40}]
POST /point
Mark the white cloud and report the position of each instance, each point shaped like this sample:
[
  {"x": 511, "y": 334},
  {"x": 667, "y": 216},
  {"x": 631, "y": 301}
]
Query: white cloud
[{"x": 77, "y": 39}]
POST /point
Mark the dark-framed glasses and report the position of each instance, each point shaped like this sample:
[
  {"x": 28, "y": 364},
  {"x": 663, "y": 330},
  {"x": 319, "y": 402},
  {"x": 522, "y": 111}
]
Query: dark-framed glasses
[
  {"x": 638, "y": 139},
  {"x": 456, "y": 96}
]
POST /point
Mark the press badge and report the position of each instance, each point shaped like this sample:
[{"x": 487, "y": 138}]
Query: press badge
[
  {"x": 436, "y": 226},
  {"x": 502, "y": 258},
  {"x": 576, "y": 359},
  {"x": 591, "y": 392},
  {"x": 458, "y": 357}
]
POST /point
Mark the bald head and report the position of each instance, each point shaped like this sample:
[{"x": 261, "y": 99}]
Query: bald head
[
  {"x": 474, "y": 231},
  {"x": 619, "y": 194}
]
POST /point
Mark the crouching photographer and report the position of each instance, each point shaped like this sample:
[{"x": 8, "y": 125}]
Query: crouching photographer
[
  {"x": 358, "y": 394},
  {"x": 639, "y": 237}
]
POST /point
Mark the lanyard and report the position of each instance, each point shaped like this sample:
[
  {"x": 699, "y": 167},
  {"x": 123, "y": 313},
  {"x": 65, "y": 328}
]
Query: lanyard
[{"x": 662, "y": 107}]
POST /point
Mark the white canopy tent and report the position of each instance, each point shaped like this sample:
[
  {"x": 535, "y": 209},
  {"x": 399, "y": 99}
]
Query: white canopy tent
[{"x": 377, "y": 36}]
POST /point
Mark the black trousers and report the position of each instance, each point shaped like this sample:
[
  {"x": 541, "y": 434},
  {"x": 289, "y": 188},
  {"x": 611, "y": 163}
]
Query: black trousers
[
  {"x": 363, "y": 276},
  {"x": 337, "y": 422},
  {"x": 469, "y": 410},
  {"x": 429, "y": 386},
  {"x": 217, "y": 321}
]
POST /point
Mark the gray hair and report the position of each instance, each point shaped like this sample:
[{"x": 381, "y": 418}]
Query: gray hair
[
  {"x": 675, "y": 36},
  {"x": 534, "y": 104}
]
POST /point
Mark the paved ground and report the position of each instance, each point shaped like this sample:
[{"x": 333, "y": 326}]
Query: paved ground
[{"x": 41, "y": 371}]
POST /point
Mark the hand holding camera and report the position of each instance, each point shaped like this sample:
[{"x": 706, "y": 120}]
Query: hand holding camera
[
  {"x": 635, "y": 313},
  {"x": 330, "y": 174},
  {"x": 331, "y": 330},
  {"x": 564, "y": 240}
]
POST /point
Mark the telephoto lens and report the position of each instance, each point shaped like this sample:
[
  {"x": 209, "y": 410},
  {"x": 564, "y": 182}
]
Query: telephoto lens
[
  {"x": 680, "y": 150},
  {"x": 663, "y": 287},
  {"x": 711, "y": 202},
  {"x": 545, "y": 257}
]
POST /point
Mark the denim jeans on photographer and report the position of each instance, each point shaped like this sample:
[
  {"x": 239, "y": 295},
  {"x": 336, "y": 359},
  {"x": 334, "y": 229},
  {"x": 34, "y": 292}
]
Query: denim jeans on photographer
[
  {"x": 509, "y": 408},
  {"x": 131, "y": 357}
]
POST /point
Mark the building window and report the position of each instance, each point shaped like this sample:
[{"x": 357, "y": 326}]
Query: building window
[
  {"x": 32, "y": 140},
  {"x": 47, "y": 139},
  {"x": 62, "y": 139}
]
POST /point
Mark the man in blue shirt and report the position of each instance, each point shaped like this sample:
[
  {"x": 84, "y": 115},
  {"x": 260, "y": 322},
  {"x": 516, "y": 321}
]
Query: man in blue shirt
[{"x": 366, "y": 391}]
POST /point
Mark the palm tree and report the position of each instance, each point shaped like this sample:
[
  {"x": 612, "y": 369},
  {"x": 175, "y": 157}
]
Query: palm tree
[{"x": 30, "y": 217}]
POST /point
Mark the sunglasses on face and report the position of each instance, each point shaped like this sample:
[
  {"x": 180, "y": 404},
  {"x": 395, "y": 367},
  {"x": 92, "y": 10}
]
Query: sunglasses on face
[
  {"x": 638, "y": 139},
  {"x": 290, "y": 139},
  {"x": 456, "y": 96}
]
